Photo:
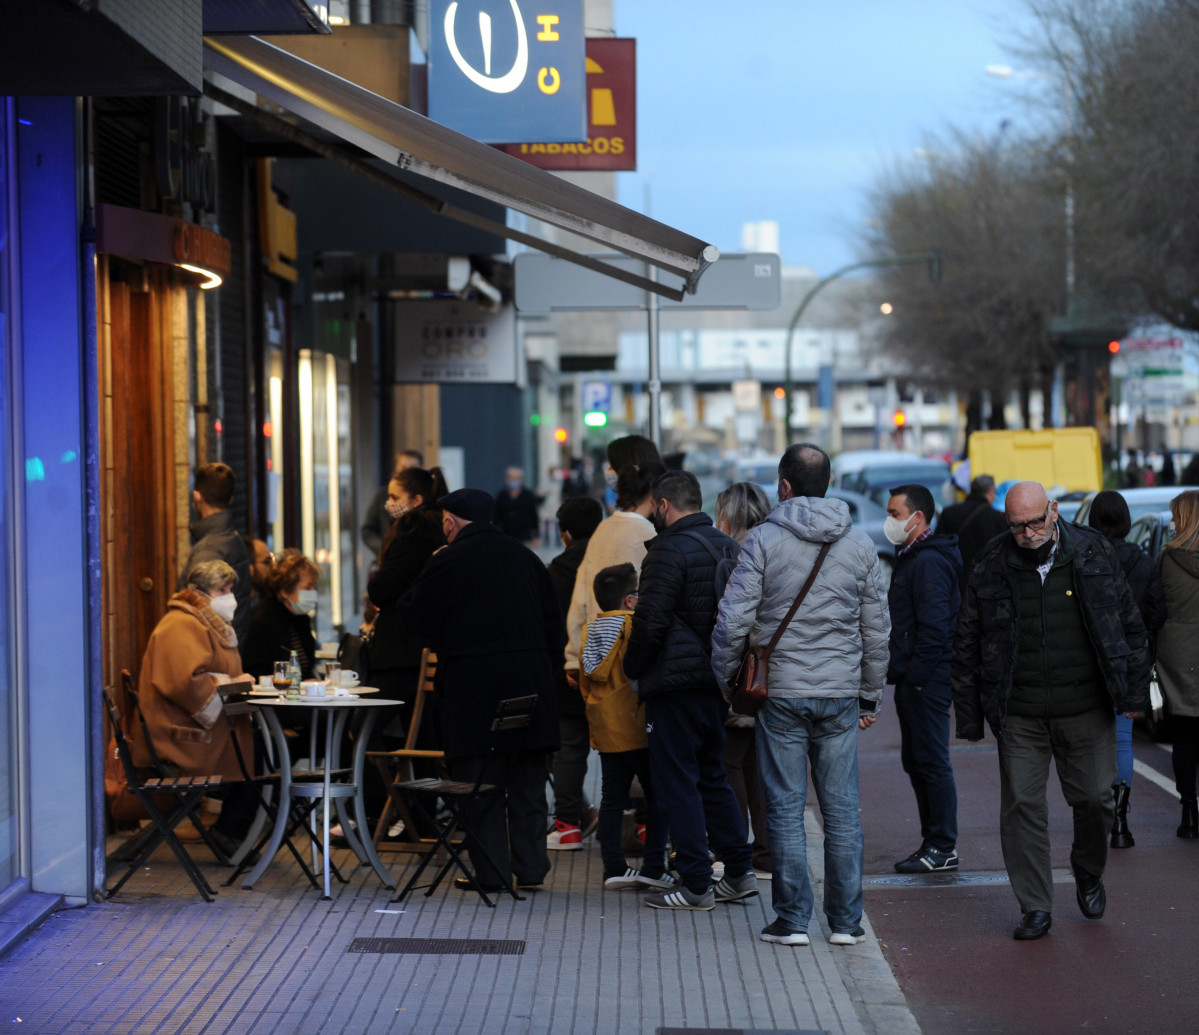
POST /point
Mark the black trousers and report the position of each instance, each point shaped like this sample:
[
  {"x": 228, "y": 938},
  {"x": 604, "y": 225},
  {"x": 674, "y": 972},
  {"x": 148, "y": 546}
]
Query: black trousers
[{"x": 512, "y": 827}]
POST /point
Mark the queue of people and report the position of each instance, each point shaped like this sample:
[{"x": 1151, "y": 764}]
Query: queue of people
[{"x": 632, "y": 640}]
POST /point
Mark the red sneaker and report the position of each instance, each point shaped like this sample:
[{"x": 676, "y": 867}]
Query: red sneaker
[{"x": 564, "y": 838}]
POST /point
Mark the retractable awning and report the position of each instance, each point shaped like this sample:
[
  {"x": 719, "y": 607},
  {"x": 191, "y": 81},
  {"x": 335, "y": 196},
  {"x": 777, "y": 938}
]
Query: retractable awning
[{"x": 409, "y": 141}]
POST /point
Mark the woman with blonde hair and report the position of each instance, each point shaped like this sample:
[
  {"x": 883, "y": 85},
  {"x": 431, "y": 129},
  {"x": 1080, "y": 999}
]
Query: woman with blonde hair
[
  {"x": 738, "y": 509},
  {"x": 1178, "y": 650}
]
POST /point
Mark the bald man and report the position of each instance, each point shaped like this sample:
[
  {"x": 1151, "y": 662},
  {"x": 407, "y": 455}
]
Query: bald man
[{"x": 1049, "y": 647}]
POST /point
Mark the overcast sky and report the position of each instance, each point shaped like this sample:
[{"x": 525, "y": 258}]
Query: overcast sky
[{"x": 791, "y": 109}]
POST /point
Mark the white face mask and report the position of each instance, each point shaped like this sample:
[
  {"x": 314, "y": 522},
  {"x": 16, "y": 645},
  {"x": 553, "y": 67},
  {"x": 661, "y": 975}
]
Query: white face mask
[
  {"x": 225, "y": 606},
  {"x": 896, "y": 530},
  {"x": 305, "y": 602}
]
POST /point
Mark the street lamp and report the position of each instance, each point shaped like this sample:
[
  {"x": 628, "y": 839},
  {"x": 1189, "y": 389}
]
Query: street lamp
[{"x": 932, "y": 257}]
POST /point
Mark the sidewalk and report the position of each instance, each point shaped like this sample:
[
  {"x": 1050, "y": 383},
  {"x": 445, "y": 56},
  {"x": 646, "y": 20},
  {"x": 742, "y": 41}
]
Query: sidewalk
[{"x": 278, "y": 959}]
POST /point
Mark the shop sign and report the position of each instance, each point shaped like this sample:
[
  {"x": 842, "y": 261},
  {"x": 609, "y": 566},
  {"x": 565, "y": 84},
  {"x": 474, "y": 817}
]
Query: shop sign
[
  {"x": 452, "y": 342},
  {"x": 152, "y": 237},
  {"x": 611, "y": 143},
  {"x": 508, "y": 70}
]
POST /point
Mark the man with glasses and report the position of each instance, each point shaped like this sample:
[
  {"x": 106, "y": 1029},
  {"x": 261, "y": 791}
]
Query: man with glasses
[{"x": 1048, "y": 641}]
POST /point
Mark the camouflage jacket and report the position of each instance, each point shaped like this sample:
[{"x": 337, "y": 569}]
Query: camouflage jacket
[{"x": 986, "y": 642}]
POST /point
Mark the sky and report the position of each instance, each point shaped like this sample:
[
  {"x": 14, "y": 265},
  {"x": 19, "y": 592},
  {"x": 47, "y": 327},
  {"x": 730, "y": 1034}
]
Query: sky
[{"x": 792, "y": 110}]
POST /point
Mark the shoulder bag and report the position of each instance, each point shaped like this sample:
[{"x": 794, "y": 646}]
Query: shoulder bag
[{"x": 749, "y": 685}]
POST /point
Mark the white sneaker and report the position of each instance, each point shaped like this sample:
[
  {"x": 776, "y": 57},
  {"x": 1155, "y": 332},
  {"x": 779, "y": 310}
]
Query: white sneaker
[
  {"x": 781, "y": 934},
  {"x": 854, "y": 937},
  {"x": 664, "y": 883},
  {"x": 396, "y": 829},
  {"x": 681, "y": 898}
]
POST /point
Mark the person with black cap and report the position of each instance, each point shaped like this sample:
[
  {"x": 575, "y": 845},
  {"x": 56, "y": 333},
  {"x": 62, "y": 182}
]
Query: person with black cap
[{"x": 486, "y": 605}]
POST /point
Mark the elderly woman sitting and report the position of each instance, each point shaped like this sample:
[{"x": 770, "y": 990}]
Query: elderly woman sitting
[{"x": 192, "y": 651}]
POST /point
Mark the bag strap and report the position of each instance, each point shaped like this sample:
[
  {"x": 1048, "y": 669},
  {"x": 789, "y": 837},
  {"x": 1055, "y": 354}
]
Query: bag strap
[
  {"x": 824, "y": 548},
  {"x": 717, "y": 556}
]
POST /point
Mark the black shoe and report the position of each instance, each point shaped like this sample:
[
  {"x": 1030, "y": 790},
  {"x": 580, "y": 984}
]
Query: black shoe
[
  {"x": 924, "y": 847},
  {"x": 462, "y": 884},
  {"x": 932, "y": 860},
  {"x": 1121, "y": 835},
  {"x": 1092, "y": 899},
  {"x": 1189, "y": 827},
  {"x": 1032, "y": 926}
]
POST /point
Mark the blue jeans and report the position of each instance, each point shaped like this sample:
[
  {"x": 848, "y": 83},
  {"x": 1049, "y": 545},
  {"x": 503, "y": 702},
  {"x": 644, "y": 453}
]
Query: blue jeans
[
  {"x": 1123, "y": 749},
  {"x": 824, "y": 732}
]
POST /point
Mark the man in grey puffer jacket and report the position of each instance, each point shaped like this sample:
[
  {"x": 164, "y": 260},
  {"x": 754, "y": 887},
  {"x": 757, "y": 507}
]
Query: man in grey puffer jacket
[{"x": 826, "y": 680}]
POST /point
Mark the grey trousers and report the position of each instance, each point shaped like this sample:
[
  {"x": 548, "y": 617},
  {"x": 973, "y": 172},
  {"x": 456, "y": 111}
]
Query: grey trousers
[{"x": 1083, "y": 747}]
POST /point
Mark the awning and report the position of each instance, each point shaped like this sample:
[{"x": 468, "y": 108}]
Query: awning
[{"x": 412, "y": 142}]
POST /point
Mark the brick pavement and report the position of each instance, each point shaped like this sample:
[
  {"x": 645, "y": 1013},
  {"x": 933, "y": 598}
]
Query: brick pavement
[{"x": 276, "y": 960}]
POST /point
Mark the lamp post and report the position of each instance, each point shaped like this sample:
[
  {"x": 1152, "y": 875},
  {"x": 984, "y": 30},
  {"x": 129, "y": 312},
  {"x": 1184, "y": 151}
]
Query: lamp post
[
  {"x": 1057, "y": 405},
  {"x": 932, "y": 257}
]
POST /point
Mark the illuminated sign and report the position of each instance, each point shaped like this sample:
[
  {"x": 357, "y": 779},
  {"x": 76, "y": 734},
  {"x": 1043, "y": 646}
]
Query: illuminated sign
[
  {"x": 505, "y": 70},
  {"x": 611, "y": 143}
]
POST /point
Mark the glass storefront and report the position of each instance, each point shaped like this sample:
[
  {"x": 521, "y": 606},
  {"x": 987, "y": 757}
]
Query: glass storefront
[{"x": 9, "y": 817}]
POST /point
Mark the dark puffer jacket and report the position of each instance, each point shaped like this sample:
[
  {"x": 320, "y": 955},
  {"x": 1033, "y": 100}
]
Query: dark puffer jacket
[
  {"x": 985, "y": 646},
  {"x": 923, "y": 601},
  {"x": 409, "y": 545},
  {"x": 670, "y": 647}
]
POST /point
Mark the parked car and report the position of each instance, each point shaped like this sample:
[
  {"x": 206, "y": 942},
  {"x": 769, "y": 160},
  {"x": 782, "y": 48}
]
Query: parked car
[
  {"x": 1151, "y": 532},
  {"x": 1069, "y": 504},
  {"x": 1140, "y": 501},
  {"x": 877, "y": 479},
  {"x": 869, "y": 517},
  {"x": 850, "y": 463}
]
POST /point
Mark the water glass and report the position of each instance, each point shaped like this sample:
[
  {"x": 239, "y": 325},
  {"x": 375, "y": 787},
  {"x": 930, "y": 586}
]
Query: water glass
[{"x": 333, "y": 673}]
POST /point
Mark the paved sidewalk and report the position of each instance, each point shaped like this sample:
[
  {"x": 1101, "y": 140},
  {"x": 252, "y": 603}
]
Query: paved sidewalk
[{"x": 278, "y": 959}]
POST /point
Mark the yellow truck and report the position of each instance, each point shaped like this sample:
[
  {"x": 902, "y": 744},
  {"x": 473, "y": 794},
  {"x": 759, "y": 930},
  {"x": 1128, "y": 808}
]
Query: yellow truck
[{"x": 1061, "y": 459}]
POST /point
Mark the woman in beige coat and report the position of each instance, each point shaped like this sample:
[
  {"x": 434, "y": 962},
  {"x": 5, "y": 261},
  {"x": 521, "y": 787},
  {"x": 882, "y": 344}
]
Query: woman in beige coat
[
  {"x": 1178, "y": 650},
  {"x": 192, "y": 651}
]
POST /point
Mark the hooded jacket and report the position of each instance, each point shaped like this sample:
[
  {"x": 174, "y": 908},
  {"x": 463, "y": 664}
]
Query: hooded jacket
[
  {"x": 923, "y": 602},
  {"x": 836, "y": 645},
  {"x": 613, "y": 711}
]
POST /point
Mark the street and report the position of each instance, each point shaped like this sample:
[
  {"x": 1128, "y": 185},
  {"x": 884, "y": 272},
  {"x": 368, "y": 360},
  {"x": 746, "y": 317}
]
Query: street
[{"x": 948, "y": 938}]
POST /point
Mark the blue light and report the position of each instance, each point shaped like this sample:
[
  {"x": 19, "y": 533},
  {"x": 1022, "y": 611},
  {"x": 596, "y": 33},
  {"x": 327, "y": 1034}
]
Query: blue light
[
  {"x": 25, "y": 122},
  {"x": 70, "y": 456},
  {"x": 35, "y": 470}
]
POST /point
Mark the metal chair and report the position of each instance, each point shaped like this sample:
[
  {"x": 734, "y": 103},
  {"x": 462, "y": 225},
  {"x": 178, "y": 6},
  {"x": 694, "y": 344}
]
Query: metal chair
[
  {"x": 396, "y": 766},
  {"x": 186, "y": 793},
  {"x": 459, "y": 797}
]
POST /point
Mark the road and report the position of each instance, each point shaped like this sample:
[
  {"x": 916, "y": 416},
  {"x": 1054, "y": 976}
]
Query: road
[{"x": 948, "y": 938}]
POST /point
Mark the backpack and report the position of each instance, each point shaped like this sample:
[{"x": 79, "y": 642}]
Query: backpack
[{"x": 724, "y": 563}]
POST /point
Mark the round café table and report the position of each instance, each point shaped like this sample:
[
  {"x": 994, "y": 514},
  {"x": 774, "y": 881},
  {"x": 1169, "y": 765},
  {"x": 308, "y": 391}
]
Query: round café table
[{"x": 335, "y": 711}]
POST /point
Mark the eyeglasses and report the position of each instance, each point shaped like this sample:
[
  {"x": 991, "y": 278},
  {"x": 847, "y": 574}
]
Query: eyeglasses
[{"x": 1036, "y": 525}]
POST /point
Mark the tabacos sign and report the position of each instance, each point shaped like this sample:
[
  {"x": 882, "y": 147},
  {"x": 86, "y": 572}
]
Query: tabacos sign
[
  {"x": 504, "y": 70},
  {"x": 611, "y": 143}
]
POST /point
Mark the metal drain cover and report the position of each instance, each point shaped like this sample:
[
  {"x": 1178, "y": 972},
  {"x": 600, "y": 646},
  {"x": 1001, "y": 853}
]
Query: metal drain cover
[
  {"x": 740, "y": 1031},
  {"x": 439, "y": 946}
]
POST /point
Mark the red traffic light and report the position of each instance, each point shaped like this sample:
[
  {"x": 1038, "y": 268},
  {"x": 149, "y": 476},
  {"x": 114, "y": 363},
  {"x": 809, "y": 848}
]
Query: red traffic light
[{"x": 1113, "y": 347}]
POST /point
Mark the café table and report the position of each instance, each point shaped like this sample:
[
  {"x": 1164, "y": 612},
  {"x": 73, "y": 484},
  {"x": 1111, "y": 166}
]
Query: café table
[{"x": 335, "y": 711}]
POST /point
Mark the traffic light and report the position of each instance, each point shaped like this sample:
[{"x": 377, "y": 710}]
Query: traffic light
[
  {"x": 560, "y": 435},
  {"x": 1113, "y": 347},
  {"x": 900, "y": 419}
]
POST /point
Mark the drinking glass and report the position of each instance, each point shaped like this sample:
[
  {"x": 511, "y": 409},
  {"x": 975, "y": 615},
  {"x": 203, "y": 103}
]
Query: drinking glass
[
  {"x": 333, "y": 673},
  {"x": 281, "y": 680}
]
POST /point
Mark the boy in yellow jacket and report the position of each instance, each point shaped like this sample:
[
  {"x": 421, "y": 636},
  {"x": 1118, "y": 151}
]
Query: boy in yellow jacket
[{"x": 618, "y": 731}]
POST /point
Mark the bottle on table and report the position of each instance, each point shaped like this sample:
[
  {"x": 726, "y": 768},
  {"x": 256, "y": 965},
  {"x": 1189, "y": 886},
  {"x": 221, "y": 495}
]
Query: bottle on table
[{"x": 293, "y": 672}]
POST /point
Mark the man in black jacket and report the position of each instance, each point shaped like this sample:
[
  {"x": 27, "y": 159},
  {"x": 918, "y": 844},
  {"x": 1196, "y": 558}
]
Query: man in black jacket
[
  {"x": 486, "y": 605},
  {"x": 578, "y": 518},
  {"x": 1048, "y": 641},
  {"x": 670, "y": 653},
  {"x": 924, "y": 601},
  {"x": 975, "y": 522}
]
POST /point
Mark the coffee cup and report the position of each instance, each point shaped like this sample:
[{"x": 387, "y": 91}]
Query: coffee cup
[
  {"x": 265, "y": 682},
  {"x": 348, "y": 677},
  {"x": 312, "y": 688}
]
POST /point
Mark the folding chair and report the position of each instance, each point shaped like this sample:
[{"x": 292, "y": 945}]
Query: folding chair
[
  {"x": 510, "y": 714},
  {"x": 186, "y": 792},
  {"x": 396, "y": 766}
]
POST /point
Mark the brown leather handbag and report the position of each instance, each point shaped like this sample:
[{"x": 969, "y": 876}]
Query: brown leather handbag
[{"x": 749, "y": 685}]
